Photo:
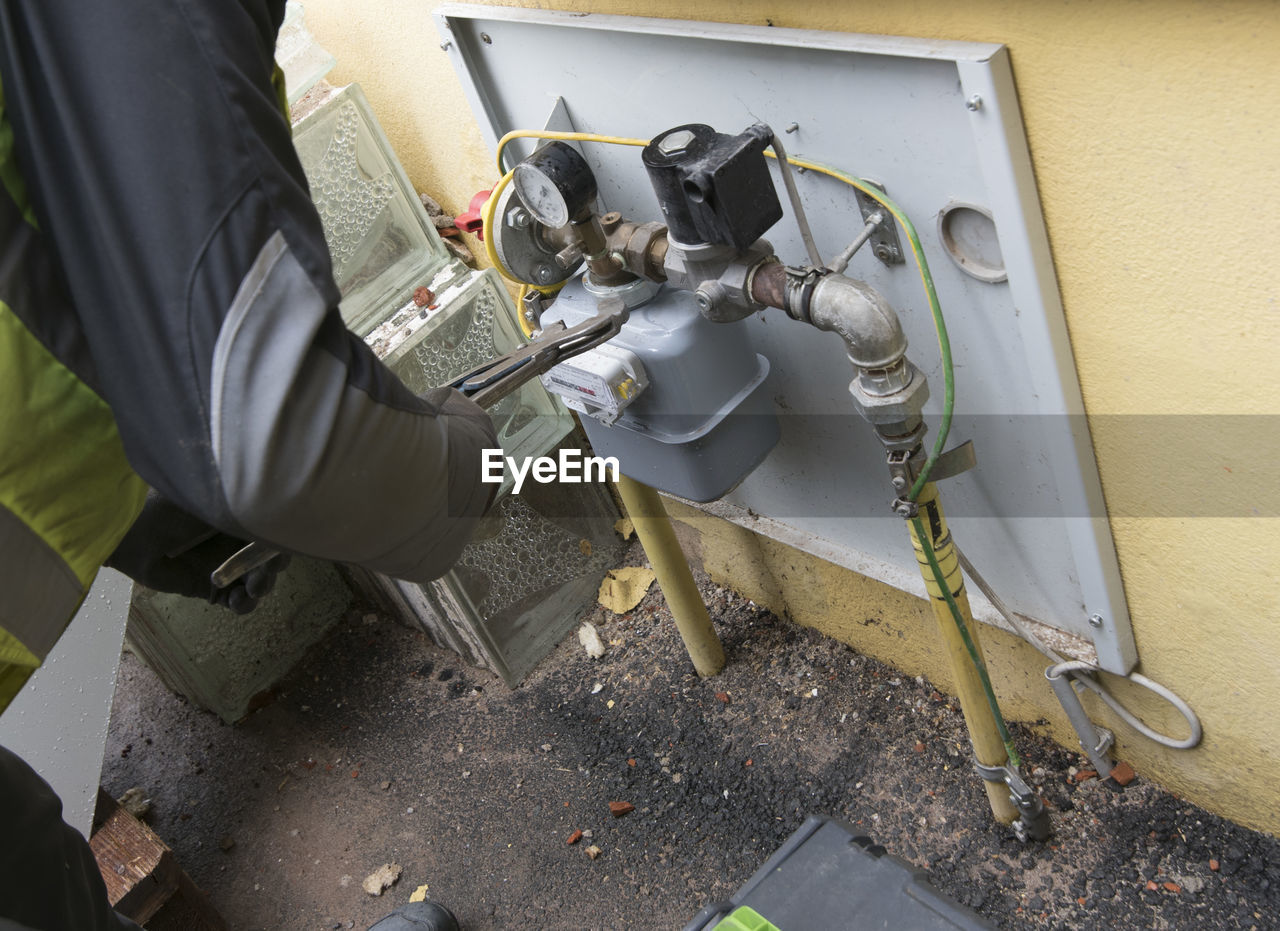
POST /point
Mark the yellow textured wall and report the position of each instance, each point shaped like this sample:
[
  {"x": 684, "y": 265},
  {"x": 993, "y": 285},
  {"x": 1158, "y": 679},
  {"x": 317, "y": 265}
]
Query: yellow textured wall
[{"x": 1154, "y": 135}]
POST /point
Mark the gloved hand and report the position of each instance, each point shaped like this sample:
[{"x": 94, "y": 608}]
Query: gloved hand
[
  {"x": 169, "y": 550},
  {"x": 456, "y": 404}
]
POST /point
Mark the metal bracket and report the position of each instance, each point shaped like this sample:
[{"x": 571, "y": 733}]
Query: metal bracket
[
  {"x": 884, "y": 238},
  {"x": 905, "y": 465},
  {"x": 955, "y": 460},
  {"x": 1095, "y": 741},
  {"x": 533, "y": 303},
  {"x": 1033, "y": 824}
]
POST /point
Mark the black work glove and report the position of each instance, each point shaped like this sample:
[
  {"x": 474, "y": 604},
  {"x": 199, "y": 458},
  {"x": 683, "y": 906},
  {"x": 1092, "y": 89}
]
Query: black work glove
[
  {"x": 454, "y": 403},
  {"x": 169, "y": 550}
]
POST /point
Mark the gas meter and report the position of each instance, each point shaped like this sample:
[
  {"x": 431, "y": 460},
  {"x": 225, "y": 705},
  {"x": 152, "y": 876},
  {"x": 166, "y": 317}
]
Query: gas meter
[
  {"x": 678, "y": 396},
  {"x": 680, "y": 401}
]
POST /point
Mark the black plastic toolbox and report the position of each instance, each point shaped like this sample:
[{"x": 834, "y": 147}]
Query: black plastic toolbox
[{"x": 827, "y": 878}]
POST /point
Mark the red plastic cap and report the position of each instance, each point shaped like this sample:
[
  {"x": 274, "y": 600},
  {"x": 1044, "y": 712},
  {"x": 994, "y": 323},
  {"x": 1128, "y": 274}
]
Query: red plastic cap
[{"x": 471, "y": 221}]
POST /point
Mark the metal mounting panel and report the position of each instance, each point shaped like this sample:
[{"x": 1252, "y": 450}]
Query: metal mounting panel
[
  {"x": 937, "y": 123},
  {"x": 58, "y": 722}
]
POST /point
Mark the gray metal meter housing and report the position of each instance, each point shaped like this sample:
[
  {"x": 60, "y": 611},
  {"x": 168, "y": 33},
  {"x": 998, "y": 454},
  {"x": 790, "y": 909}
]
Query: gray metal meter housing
[{"x": 706, "y": 419}]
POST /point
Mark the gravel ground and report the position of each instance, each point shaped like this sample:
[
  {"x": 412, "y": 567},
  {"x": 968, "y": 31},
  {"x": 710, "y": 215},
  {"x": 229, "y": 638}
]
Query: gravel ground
[{"x": 382, "y": 748}]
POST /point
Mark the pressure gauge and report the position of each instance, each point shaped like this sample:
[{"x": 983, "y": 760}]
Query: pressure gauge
[{"x": 555, "y": 184}]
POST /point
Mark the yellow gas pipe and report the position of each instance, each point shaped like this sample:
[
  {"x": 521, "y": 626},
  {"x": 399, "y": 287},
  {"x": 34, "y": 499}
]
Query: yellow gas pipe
[
  {"x": 653, "y": 527},
  {"x": 988, "y": 745}
]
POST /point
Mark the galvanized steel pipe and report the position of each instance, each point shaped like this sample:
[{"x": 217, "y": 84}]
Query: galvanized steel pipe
[{"x": 656, "y": 534}]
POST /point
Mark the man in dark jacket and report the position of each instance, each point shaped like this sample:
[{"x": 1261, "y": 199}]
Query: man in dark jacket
[{"x": 171, "y": 353}]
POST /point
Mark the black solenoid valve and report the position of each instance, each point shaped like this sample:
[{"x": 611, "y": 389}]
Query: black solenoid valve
[{"x": 713, "y": 188}]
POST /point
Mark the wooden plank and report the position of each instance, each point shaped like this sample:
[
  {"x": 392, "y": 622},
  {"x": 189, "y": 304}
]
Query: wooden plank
[
  {"x": 143, "y": 879},
  {"x": 139, "y": 870}
]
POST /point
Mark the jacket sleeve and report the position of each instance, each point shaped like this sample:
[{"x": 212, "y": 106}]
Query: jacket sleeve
[{"x": 161, "y": 168}]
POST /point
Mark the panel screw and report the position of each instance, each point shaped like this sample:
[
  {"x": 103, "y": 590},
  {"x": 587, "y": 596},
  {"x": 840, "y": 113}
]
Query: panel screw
[
  {"x": 899, "y": 482},
  {"x": 484, "y": 37},
  {"x": 445, "y": 46},
  {"x": 974, "y": 103},
  {"x": 791, "y": 128},
  {"x": 545, "y": 274},
  {"x": 885, "y": 252},
  {"x": 1095, "y": 620}
]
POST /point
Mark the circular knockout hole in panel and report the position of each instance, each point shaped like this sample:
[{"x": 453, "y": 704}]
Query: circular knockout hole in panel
[{"x": 969, "y": 235}]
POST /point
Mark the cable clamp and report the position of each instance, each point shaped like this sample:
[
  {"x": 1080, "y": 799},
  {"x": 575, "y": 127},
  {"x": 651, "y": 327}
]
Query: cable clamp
[
  {"x": 904, "y": 466},
  {"x": 532, "y": 305},
  {"x": 1033, "y": 821},
  {"x": 906, "y": 508},
  {"x": 906, "y": 462}
]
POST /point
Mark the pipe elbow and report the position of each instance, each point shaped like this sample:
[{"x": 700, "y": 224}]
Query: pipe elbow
[{"x": 862, "y": 317}]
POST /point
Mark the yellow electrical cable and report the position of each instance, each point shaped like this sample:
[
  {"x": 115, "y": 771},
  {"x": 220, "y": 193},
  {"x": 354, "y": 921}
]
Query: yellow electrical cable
[
  {"x": 562, "y": 137},
  {"x": 526, "y": 325},
  {"x": 931, "y": 294},
  {"x": 875, "y": 195},
  {"x": 491, "y": 253},
  {"x": 868, "y": 190},
  {"x": 926, "y": 280},
  {"x": 486, "y": 228}
]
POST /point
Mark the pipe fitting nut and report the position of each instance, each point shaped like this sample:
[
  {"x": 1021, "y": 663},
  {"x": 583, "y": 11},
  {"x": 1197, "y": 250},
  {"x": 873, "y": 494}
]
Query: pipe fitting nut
[
  {"x": 735, "y": 280},
  {"x": 644, "y": 248},
  {"x": 884, "y": 383},
  {"x": 711, "y": 296},
  {"x": 687, "y": 267},
  {"x": 895, "y": 414}
]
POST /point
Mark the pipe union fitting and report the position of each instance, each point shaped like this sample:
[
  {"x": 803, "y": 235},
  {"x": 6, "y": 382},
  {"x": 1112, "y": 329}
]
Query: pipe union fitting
[
  {"x": 883, "y": 383},
  {"x": 896, "y": 413}
]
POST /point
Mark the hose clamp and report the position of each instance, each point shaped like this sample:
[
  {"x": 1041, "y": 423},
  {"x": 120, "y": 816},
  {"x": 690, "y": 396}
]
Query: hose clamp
[{"x": 801, "y": 282}]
